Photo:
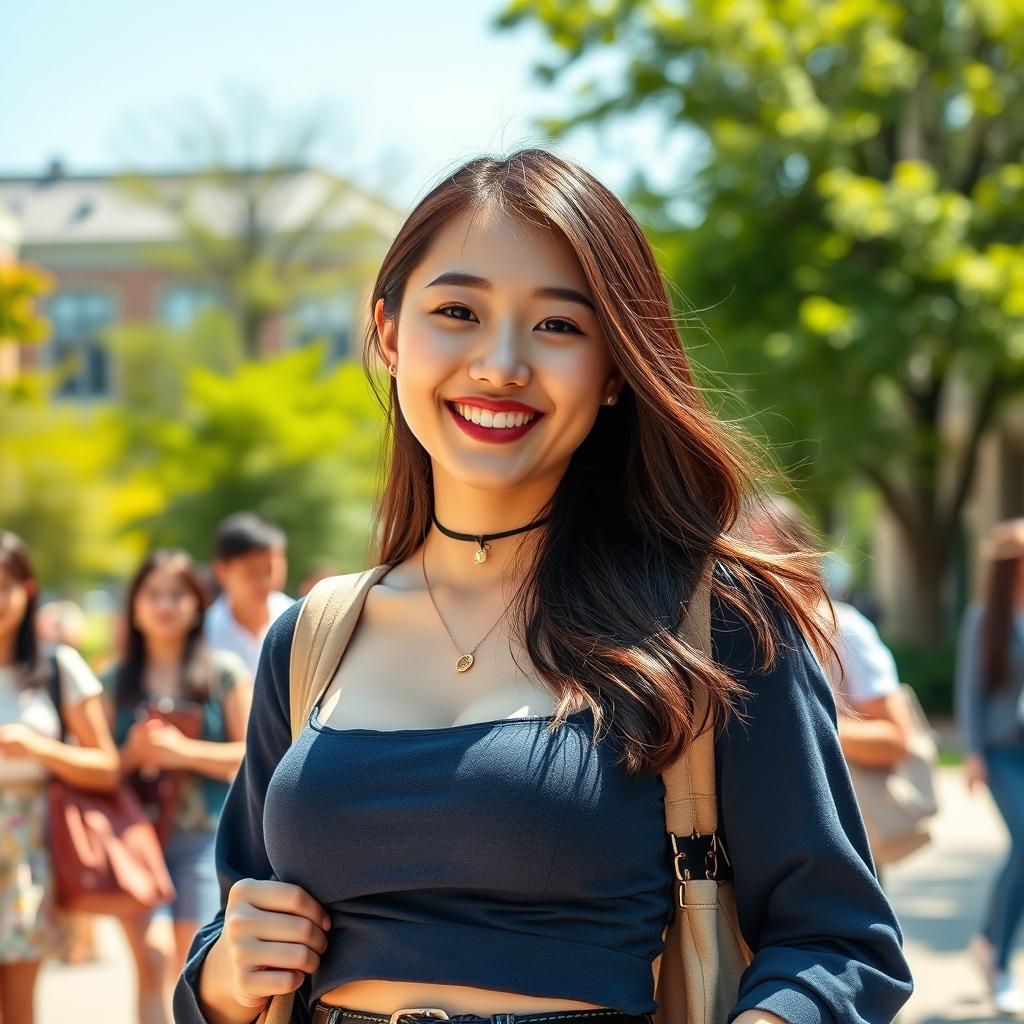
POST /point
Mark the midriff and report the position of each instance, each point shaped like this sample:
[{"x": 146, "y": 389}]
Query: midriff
[{"x": 374, "y": 996}]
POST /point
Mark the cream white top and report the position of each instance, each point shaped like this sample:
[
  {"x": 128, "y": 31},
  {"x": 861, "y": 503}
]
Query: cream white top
[{"x": 34, "y": 708}]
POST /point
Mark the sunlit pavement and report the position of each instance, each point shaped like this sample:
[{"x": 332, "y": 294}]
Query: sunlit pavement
[{"x": 939, "y": 893}]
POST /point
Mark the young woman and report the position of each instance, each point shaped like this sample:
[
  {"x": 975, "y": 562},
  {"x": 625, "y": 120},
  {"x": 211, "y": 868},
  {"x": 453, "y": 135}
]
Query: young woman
[
  {"x": 990, "y": 704},
  {"x": 32, "y": 749},
  {"x": 167, "y": 667},
  {"x": 476, "y": 826}
]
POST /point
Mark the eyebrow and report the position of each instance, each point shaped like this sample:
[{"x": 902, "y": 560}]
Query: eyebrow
[{"x": 462, "y": 280}]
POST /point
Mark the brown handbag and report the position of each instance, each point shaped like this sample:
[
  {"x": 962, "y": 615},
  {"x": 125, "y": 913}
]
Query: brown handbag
[
  {"x": 698, "y": 973},
  {"x": 106, "y": 855}
]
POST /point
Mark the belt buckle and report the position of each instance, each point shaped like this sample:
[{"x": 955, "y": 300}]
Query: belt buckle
[{"x": 429, "y": 1011}]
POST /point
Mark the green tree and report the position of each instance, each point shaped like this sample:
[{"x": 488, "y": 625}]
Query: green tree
[
  {"x": 288, "y": 437},
  {"x": 252, "y": 220},
  {"x": 849, "y": 208}
]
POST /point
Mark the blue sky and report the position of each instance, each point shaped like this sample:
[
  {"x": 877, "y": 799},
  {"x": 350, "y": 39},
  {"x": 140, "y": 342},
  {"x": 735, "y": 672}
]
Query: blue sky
[{"x": 410, "y": 88}]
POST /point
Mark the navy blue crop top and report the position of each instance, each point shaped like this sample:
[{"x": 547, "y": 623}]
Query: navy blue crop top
[
  {"x": 500, "y": 855},
  {"x": 502, "y": 838}
]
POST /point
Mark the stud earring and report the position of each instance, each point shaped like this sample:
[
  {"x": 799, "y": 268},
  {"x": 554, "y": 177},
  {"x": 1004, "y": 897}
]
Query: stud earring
[
  {"x": 393, "y": 369},
  {"x": 612, "y": 399}
]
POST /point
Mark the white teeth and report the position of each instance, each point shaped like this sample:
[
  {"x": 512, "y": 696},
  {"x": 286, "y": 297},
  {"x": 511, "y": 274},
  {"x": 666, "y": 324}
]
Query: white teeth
[{"x": 494, "y": 420}]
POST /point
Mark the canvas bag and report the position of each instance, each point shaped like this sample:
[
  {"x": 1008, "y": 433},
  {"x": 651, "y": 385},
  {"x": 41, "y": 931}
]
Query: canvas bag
[
  {"x": 897, "y": 801},
  {"x": 697, "y": 976}
]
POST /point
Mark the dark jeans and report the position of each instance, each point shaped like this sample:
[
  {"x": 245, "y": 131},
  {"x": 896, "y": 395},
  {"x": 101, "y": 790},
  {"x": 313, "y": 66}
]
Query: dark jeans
[{"x": 1005, "y": 766}]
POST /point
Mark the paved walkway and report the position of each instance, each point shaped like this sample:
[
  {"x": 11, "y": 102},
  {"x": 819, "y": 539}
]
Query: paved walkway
[{"x": 938, "y": 892}]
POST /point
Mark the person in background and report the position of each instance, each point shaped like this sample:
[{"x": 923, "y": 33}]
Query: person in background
[
  {"x": 250, "y": 564},
  {"x": 989, "y": 691},
  {"x": 32, "y": 748},
  {"x": 63, "y": 622},
  {"x": 167, "y": 666},
  {"x": 874, "y": 720}
]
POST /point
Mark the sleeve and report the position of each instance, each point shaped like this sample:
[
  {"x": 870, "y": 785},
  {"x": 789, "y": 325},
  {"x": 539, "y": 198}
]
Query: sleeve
[
  {"x": 77, "y": 680},
  {"x": 240, "y": 850},
  {"x": 827, "y": 947},
  {"x": 869, "y": 664},
  {"x": 230, "y": 670},
  {"x": 968, "y": 691}
]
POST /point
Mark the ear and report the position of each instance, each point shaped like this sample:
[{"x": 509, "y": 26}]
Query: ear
[
  {"x": 613, "y": 384},
  {"x": 386, "y": 334},
  {"x": 219, "y": 570}
]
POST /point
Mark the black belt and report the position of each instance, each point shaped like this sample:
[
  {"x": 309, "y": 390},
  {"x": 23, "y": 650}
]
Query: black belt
[{"x": 324, "y": 1013}]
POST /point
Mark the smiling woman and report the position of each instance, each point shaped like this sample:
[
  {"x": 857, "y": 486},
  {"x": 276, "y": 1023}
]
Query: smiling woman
[{"x": 470, "y": 819}]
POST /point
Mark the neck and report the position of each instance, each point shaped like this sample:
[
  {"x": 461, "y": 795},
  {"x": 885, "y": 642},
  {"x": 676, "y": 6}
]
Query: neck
[
  {"x": 164, "y": 652},
  {"x": 463, "y": 509},
  {"x": 254, "y": 619}
]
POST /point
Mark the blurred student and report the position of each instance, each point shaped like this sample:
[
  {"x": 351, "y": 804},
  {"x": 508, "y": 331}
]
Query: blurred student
[
  {"x": 989, "y": 693},
  {"x": 180, "y": 710},
  {"x": 63, "y": 622},
  {"x": 32, "y": 748},
  {"x": 873, "y": 717},
  {"x": 250, "y": 564}
]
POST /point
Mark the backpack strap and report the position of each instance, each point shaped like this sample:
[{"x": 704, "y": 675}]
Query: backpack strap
[
  {"x": 326, "y": 622},
  {"x": 691, "y": 804}
]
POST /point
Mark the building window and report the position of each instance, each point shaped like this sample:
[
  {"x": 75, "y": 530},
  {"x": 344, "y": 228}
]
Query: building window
[
  {"x": 79, "y": 319},
  {"x": 182, "y": 303},
  {"x": 329, "y": 318}
]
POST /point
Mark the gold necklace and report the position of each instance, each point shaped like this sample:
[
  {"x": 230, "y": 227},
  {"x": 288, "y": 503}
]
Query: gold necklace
[{"x": 465, "y": 662}]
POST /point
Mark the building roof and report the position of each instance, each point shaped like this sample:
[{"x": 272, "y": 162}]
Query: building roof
[{"x": 57, "y": 208}]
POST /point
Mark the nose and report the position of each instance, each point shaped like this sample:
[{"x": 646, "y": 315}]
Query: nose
[{"x": 500, "y": 362}]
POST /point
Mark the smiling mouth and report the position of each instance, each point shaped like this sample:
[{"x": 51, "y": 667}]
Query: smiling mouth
[{"x": 493, "y": 420}]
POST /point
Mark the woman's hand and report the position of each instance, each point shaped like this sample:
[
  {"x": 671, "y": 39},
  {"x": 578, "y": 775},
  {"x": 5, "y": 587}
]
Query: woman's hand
[
  {"x": 975, "y": 772},
  {"x": 155, "y": 743},
  {"x": 273, "y": 935},
  {"x": 18, "y": 740}
]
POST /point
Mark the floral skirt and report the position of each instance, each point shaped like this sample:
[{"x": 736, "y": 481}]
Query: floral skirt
[{"x": 29, "y": 928}]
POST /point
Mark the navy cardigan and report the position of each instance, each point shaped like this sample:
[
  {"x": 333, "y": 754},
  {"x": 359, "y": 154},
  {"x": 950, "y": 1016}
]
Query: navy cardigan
[{"x": 827, "y": 946}]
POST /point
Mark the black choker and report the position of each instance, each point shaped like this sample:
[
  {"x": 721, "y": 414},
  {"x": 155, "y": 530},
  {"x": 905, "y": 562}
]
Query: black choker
[{"x": 482, "y": 547}]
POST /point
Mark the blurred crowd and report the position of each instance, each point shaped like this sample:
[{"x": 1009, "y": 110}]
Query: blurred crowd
[{"x": 149, "y": 744}]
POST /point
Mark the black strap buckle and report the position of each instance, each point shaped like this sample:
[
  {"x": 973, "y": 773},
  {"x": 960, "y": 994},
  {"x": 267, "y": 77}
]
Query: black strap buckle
[{"x": 699, "y": 858}]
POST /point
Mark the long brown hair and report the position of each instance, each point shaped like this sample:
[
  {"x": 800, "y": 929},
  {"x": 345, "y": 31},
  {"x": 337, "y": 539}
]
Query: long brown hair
[
  {"x": 997, "y": 621},
  {"x": 196, "y": 661},
  {"x": 651, "y": 494},
  {"x": 29, "y": 664}
]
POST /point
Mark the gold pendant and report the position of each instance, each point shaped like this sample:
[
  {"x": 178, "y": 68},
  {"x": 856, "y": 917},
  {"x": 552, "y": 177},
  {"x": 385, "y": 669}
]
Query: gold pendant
[
  {"x": 465, "y": 663},
  {"x": 480, "y": 555}
]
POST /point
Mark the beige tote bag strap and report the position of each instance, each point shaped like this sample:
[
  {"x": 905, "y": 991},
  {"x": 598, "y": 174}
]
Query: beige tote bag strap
[
  {"x": 326, "y": 622},
  {"x": 690, "y": 803},
  {"x": 325, "y": 625}
]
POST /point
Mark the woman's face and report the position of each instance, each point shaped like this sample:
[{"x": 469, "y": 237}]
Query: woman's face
[
  {"x": 497, "y": 321},
  {"x": 14, "y": 598},
  {"x": 165, "y": 607}
]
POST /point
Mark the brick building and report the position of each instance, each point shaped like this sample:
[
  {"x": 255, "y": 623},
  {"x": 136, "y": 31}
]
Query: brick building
[{"x": 107, "y": 252}]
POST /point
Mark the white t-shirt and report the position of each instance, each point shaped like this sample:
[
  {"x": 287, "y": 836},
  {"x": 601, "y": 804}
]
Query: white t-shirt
[
  {"x": 34, "y": 708},
  {"x": 870, "y": 669},
  {"x": 225, "y": 632}
]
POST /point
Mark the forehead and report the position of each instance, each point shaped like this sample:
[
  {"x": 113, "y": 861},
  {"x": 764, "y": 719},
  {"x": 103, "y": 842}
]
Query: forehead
[
  {"x": 163, "y": 576},
  {"x": 507, "y": 250}
]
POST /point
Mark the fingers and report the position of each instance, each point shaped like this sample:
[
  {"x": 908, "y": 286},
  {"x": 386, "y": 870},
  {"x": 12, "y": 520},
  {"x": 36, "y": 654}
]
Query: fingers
[
  {"x": 255, "y": 986},
  {"x": 280, "y": 897},
  {"x": 269, "y": 926}
]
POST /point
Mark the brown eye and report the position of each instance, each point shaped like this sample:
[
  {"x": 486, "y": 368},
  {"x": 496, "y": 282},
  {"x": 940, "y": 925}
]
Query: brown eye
[
  {"x": 572, "y": 328},
  {"x": 460, "y": 309}
]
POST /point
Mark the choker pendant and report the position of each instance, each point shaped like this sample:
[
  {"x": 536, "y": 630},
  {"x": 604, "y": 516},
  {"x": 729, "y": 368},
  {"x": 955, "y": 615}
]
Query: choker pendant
[{"x": 480, "y": 555}]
